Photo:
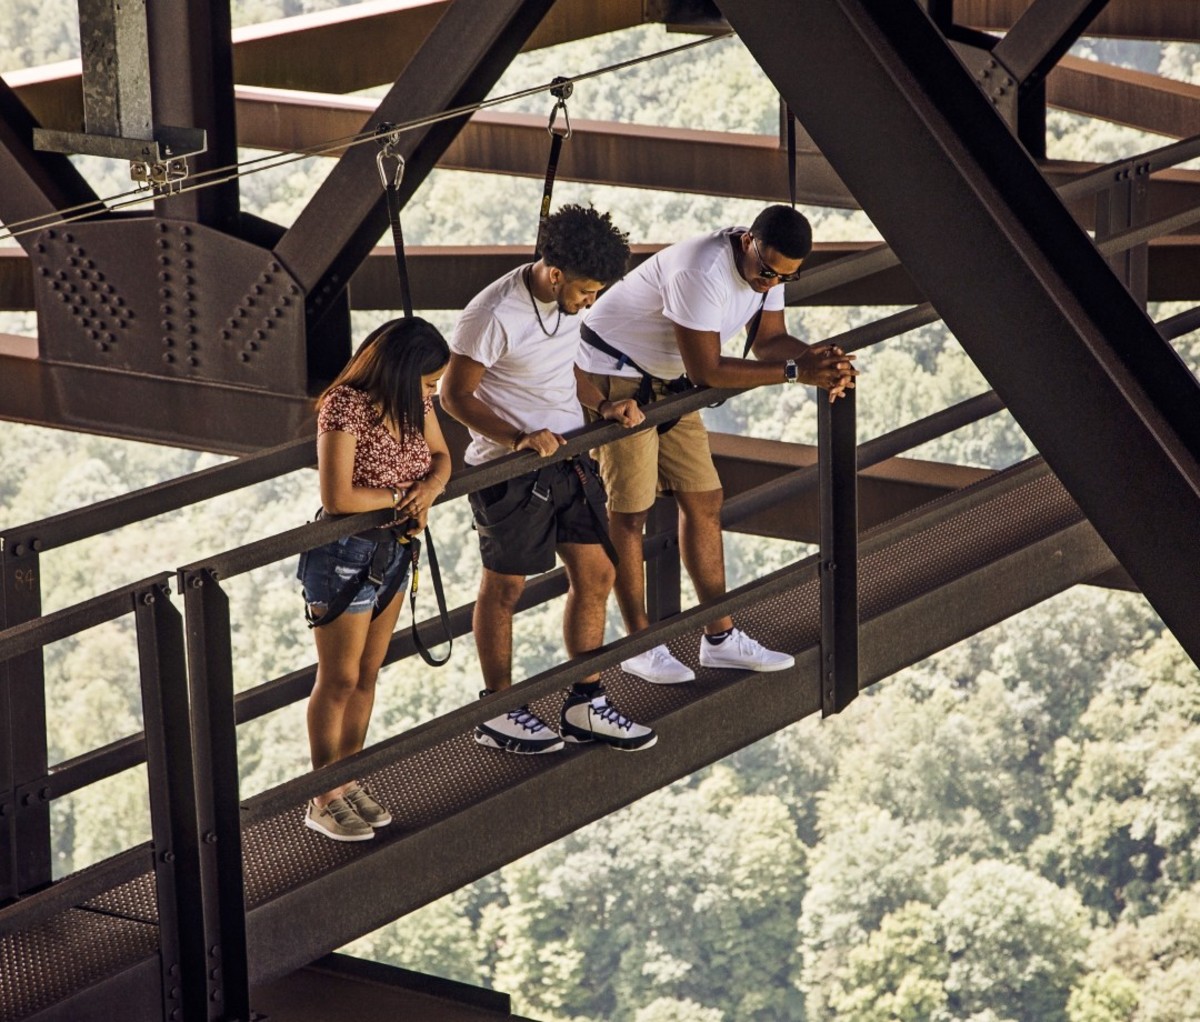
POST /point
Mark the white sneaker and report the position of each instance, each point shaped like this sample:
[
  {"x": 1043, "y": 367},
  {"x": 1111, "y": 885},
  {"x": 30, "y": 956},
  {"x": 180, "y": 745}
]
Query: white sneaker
[
  {"x": 739, "y": 651},
  {"x": 597, "y": 720},
  {"x": 521, "y": 731},
  {"x": 658, "y": 667}
]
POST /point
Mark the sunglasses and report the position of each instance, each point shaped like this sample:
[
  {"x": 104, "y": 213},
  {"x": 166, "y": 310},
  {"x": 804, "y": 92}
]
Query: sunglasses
[{"x": 765, "y": 271}]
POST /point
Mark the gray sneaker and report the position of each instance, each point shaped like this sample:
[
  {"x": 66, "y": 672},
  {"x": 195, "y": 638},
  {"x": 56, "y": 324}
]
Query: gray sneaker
[
  {"x": 369, "y": 811},
  {"x": 337, "y": 820}
]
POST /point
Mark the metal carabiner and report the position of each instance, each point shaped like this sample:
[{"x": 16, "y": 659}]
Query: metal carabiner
[
  {"x": 389, "y": 138},
  {"x": 560, "y": 88}
]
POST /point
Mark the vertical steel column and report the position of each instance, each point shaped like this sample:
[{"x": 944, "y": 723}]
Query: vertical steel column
[
  {"x": 218, "y": 806},
  {"x": 24, "y": 801},
  {"x": 171, "y": 777},
  {"x": 1124, "y": 204},
  {"x": 191, "y": 85},
  {"x": 662, "y": 560},
  {"x": 838, "y": 460}
]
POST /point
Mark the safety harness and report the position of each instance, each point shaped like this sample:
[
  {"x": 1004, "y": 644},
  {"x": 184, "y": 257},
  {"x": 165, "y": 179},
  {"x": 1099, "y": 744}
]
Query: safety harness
[{"x": 385, "y": 539}]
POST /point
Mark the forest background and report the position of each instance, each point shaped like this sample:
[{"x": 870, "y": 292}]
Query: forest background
[{"x": 1009, "y": 830}]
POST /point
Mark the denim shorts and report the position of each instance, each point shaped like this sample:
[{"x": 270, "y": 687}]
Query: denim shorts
[{"x": 324, "y": 570}]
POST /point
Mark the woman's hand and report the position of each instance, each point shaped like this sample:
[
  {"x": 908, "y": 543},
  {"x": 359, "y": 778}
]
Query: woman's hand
[{"x": 416, "y": 502}]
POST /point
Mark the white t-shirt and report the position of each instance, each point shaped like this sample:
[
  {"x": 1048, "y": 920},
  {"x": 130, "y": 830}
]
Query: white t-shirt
[
  {"x": 694, "y": 283},
  {"x": 529, "y": 377}
]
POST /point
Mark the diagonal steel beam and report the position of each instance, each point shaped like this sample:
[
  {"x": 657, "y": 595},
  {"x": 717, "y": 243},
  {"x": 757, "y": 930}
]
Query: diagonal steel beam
[
  {"x": 1077, "y": 362},
  {"x": 36, "y": 184},
  {"x": 459, "y": 62},
  {"x": 1042, "y": 35}
]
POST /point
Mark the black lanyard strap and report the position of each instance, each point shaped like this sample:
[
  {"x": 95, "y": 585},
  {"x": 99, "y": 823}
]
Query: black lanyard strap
[
  {"x": 561, "y": 92},
  {"x": 391, "y": 188}
]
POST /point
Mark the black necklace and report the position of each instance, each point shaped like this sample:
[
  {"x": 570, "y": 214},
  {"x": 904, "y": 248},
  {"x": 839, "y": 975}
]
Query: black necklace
[{"x": 527, "y": 277}]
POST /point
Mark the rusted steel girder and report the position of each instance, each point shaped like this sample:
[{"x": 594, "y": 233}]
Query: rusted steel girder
[{"x": 1080, "y": 366}]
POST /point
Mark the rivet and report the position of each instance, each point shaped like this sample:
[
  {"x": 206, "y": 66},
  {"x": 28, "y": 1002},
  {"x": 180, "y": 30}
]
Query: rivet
[
  {"x": 252, "y": 345},
  {"x": 166, "y": 324},
  {"x": 165, "y": 309},
  {"x": 210, "y": 837},
  {"x": 90, "y": 264},
  {"x": 110, "y": 338},
  {"x": 19, "y": 550},
  {"x": 168, "y": 357},
  {"x": 185, "y": 230},
  {"x": 187, "y": 264},
  {"x": 189, "y": 280},
  {"x": 225, "y": 335},
  {"x": 249, "y": 301},
  {"x": 190, "y": 327},
  {"x": 260, "y": 335},
  {"x": 118, "y": 301},
  {"x": 244, "y": 356},
  {"x": 267, "y": 324},
  {"x": 69, "y": 238},
  {"x": 61, "y": 274},
  {"x": 189, "y": 296},
  {"x": 164, "y": 276},
  {"x": 169, "y": 342},
  {"x": 92, "y": 286},
  {"x": 163, "y": 243},
  {"x": 293, "y": 289},
  {"x": 186, "y": 246},
  {"x": 52, "y": 234},
  {"x": 79, "y": 250},
  {"x": 101, "y": 346},
  {"x": 43, "y": 272},
  {"x": 62, "y": 297},
  {"x": 192, "y": 345},
  {"x": 164, "y": 260},
  {"x": 39, "y": 247},
  {"x": 242, "y": 313},
  {"x": 162, "y": 227},
  {"x": 72, "y": 261},
  {"x": 192, "y": 361},
  {"x": 92, "y": 335},
  {"x": 285, "y": 300},
  {"x": 120, "y": 324},
  {"x": 54, "y": 284},
  {"x": 257, "y": 289},
  {"x": 108, "y": 288},
  {"x": 72, "y": 288}
]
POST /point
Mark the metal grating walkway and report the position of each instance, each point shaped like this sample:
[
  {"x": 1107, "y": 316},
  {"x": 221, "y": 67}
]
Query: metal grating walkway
[{"x": 927, "y": 579}]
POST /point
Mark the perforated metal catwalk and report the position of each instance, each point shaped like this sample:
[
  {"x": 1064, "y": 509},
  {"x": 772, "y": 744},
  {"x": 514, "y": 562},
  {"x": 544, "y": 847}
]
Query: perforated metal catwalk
[{"x": 927, "y": 579}]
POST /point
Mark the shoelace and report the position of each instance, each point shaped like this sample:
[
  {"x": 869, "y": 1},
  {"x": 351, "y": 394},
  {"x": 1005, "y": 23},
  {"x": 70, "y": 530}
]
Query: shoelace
[
  {"x": 610, "y": 714},
  {"x": 527, "y": 719},
  {"x": 340, "y": 812}
]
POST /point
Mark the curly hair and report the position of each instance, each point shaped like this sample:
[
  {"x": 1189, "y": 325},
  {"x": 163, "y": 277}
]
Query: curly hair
[
  {"x": 784, "y": 229},
  {"x": 585, "y": 244},
  {"x": 388, "y": 367}
]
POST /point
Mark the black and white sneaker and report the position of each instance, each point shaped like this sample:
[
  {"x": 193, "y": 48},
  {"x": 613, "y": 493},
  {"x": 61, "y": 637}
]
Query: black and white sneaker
[
  {"x": 595, "y": 719},
  {"x": 521, "y": 731}
]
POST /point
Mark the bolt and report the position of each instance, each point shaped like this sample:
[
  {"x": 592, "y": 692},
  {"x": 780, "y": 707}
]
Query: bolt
[
  {"x": 210, "y": 838},
  {"x": 147, "y": 600},
  {"x": 168, "y": 856},
  {"x": 196, "y": 582},
  {"x": 19, "y": 550},
  {"x": 37, "y": 545}
]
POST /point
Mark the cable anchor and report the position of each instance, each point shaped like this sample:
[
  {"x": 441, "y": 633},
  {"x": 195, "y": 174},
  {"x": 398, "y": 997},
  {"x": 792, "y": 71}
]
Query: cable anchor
[
  {"x": 561, "y": 89},
  {"x": 388, "y": 137},
  {"x": 164, "y": 177}
]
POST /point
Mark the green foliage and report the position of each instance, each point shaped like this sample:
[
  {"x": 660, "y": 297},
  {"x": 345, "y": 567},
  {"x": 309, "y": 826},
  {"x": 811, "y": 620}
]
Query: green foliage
[{"x": 1108, "y": 996}]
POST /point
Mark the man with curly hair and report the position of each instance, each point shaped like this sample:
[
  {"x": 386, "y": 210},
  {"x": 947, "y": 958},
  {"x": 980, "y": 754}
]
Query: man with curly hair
[{"x": 512, "y": 382}]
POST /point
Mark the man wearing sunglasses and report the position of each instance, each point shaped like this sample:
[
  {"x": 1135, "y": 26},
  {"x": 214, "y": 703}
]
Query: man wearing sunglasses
[{"x": 659, "y": 330}]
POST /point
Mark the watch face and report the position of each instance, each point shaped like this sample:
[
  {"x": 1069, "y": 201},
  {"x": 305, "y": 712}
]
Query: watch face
[{"x": 790, "y": 372}]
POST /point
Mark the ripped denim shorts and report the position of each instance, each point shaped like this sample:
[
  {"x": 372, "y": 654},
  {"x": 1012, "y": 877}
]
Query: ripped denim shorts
[{"x": 324, "y": 570}]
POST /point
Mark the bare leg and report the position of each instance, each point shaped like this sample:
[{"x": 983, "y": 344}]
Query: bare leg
[
  {"x": 357, "y": 715},
  {"x": 340, "y": 646},
  {"x": 627, "y": 532},
  {"x": 492, "y": 625},
  {"x": 591, "y": 576},
  {"x": 702, "y": 548}
]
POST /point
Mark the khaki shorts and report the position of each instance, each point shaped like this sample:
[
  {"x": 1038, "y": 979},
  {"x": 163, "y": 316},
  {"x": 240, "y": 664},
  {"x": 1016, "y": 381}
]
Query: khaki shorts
[{"x": 637, "y": 469}]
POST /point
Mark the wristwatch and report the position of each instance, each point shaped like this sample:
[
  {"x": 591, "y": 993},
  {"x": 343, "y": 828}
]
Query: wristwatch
[{"x": 791, "y": 372}]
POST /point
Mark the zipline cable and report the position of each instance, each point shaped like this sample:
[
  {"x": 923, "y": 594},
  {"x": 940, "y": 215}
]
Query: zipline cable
[{"x": 233, "y": 172}]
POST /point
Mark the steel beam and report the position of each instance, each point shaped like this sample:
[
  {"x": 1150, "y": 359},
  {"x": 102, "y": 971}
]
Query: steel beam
[
  {"x": 1128, "y": 19},
  {"x": 1087, "y": 374},
  {"x": 1135, "y": 98},
  {"x": 1043, "y": 34},
  {"x": 191, "y": 85},
  {"x": 458, "y": 64},
  {"x": 36, "y": 184}
]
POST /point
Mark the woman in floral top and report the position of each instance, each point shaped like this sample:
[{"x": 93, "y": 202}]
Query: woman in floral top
[{"x": 379, "y": 445}]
